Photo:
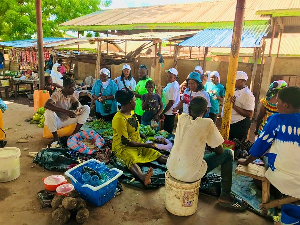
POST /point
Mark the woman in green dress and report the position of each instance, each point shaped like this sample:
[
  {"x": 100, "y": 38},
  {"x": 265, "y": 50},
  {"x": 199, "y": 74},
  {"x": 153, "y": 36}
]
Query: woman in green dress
[{"x": 127, "y": 144}]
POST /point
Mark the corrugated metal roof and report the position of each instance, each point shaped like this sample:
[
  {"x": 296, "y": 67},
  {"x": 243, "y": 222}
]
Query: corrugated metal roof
[
  {"x": 149, "y": 36},
  {"x": 251, "y": 37},
  {"x": 210, "y": 11},
  {"x": 29, "y": 43},
  {"x": 277, "y": 4},
  {"x": 289, "y": 46}
]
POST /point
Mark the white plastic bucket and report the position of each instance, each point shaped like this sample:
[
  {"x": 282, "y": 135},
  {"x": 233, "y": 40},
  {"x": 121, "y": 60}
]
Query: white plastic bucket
[
  {"x": 9, "y": 163},
  {"x": 181, "y": 198}
]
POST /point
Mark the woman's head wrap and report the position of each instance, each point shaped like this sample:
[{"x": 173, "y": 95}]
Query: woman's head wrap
[
  {"x": 124, "y": 97},
  {"x": 275, "y": 87}
]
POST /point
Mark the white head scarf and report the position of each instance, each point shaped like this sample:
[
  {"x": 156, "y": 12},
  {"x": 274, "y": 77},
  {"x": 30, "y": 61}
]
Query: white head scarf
[{"x": 56, "y": 76}]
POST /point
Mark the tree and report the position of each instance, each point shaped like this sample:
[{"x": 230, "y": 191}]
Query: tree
[{"x": 18, "y": 17}]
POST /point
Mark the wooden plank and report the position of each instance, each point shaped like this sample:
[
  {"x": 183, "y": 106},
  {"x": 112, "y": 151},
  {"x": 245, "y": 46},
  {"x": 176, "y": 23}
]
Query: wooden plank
[
  {"x": 298, "y": 81},
  {"x": 265, "y": 195},
  {"x": 253, "y": 171},
  {"x": 278, "y": 202},
  {"x": 293, "y": 81}
]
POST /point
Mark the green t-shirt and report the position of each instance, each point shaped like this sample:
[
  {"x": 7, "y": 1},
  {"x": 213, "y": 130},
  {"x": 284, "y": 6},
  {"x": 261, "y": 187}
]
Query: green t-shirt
[{"x": 141, "y": 90}]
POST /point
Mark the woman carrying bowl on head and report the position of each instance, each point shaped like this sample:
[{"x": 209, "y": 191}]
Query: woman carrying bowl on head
[{"x": 103, "y": 93}]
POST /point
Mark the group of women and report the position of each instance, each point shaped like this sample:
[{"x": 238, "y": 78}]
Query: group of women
[{"x": 173, "y": 100}]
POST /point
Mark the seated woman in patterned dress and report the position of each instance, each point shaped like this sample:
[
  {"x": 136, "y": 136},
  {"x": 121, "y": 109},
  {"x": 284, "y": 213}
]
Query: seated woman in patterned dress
[
  {"x": 279, "y": 141},
  {"x": 127, "y": 144}
]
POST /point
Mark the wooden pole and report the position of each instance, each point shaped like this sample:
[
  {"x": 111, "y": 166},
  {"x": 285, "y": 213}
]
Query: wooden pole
[
  {"x": 262, "y": 64},
  {"x": 280, "y": 36},
  {"x": 273, "y": 35},
  {"x": 190, "y": 49},
  {"x": 78, "y": 44},
  {"x": 158, "y": 81},
  {"x": 176, "y": 53},
  {"x": 256, "y": 56},
  {"x": 98, "y": 62},
  {"x": 107, "y": 43},
  {"x": 204, "y": 60},
  {"x": 233, "y": 65},
  {"x": 39, "y": 25},
  {"x": 125, "y": 48}
]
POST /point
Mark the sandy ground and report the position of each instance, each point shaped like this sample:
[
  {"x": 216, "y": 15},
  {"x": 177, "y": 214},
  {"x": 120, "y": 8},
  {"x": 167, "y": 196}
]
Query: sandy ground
[{"x": 19, "y": 204}]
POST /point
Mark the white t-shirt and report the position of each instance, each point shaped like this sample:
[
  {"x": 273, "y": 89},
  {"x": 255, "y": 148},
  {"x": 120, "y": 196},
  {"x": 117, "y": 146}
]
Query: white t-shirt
[
  {"x": 171, "y": 92},
  {"x": 188, "y": 95},
  {"x": 130, "y": 84},
  {"x": 185, "y": 162},
  {"x": 245, "y": 100}
]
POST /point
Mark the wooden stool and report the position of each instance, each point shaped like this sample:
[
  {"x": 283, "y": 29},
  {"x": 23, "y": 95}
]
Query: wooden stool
[{"x": 258, "y": 172}]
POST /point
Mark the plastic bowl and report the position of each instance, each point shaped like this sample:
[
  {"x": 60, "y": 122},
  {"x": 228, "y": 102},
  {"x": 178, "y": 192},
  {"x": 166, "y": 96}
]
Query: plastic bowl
[
  {"x": 64, "y": 189},
  {"x": 53, "y": 181}
]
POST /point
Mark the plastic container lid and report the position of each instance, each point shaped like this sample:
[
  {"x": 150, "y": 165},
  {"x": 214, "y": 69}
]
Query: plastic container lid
[
  {"x": 64, "y": 189},
  {"x": 9, "y": 152},
  {"x": 54, "y": 180}
]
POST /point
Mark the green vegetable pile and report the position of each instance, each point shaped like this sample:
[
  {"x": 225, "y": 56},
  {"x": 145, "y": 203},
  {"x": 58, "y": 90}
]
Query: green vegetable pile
[
  {"x": 107, "y": 132},
  {"x": 38, "y": 117},
  {"x": 150, "y": 133},
  {"x": 163, "y": 133},
  {"x": 102, "y": 127},
  {"x": 146, "y": 130},
  {"x": 99, "y": 124}
]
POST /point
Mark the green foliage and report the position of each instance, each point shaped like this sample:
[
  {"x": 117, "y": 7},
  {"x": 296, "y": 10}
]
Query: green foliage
[
  {"x": 89, "y": 34},
  {"x": 18, "y": 17}
]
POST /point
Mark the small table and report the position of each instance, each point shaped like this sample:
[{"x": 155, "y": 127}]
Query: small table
[{"x": 17, "y": 84}]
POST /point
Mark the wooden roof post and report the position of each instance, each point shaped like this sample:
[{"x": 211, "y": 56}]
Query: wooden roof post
[
  {"x": 256, "y": 56},
  {"x": 280, "y": 36},
  {"x": 176, "y": 53},
  {"x": 273, "y": 35},
  {"x": 38, "y": 9},
  {"x": 98, "y": 61},
  {"x": 158, "y": 81},
  {"x": 232, "y": 68},
  {"x": 204, "y": 60}
]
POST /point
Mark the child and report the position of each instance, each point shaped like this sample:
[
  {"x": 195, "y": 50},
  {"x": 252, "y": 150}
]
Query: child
[
  {"x": 152, "y": 104},
  {"x": 187, "y": 161},
  {"x": 49, "y": 85},
  {"x": 280, "y": 137}
]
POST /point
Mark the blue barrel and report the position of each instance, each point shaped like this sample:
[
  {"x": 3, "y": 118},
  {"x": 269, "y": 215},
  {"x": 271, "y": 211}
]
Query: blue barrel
[{"x": 290, "y": 214}]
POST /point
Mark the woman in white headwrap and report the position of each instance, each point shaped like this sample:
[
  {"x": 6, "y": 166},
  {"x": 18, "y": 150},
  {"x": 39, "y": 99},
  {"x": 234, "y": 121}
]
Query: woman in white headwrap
[
  {"x": 103, "y": 93},
  {"x": 56, "y": 76}
]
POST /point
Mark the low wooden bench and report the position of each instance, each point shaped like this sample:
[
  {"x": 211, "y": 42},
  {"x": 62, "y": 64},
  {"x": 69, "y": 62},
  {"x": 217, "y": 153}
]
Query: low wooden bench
[{"x": 258, "y": 172}]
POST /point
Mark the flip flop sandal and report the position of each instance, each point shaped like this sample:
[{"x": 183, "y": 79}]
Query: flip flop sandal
[{"x": 236, "y": 204}]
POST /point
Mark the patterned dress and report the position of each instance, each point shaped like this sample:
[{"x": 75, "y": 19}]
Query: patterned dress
[
  {"x": 125, "y": 130},
  {"x": 271, "y": 108}
]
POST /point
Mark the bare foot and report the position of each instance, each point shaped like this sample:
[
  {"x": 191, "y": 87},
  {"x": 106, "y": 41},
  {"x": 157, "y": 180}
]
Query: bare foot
[{"x": 148, "y": 175}]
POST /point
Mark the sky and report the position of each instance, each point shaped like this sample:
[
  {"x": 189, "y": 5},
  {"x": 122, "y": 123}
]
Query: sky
[{"x": 140, "y": 3}]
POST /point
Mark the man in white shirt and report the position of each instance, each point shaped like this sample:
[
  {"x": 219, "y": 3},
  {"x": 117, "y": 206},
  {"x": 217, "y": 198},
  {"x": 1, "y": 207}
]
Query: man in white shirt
[{"x": 242, "y": 108}]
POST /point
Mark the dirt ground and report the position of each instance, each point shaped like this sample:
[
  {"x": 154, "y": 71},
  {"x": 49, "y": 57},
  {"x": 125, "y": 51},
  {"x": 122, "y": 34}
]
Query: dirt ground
[{"x": 19, "y": 204}]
